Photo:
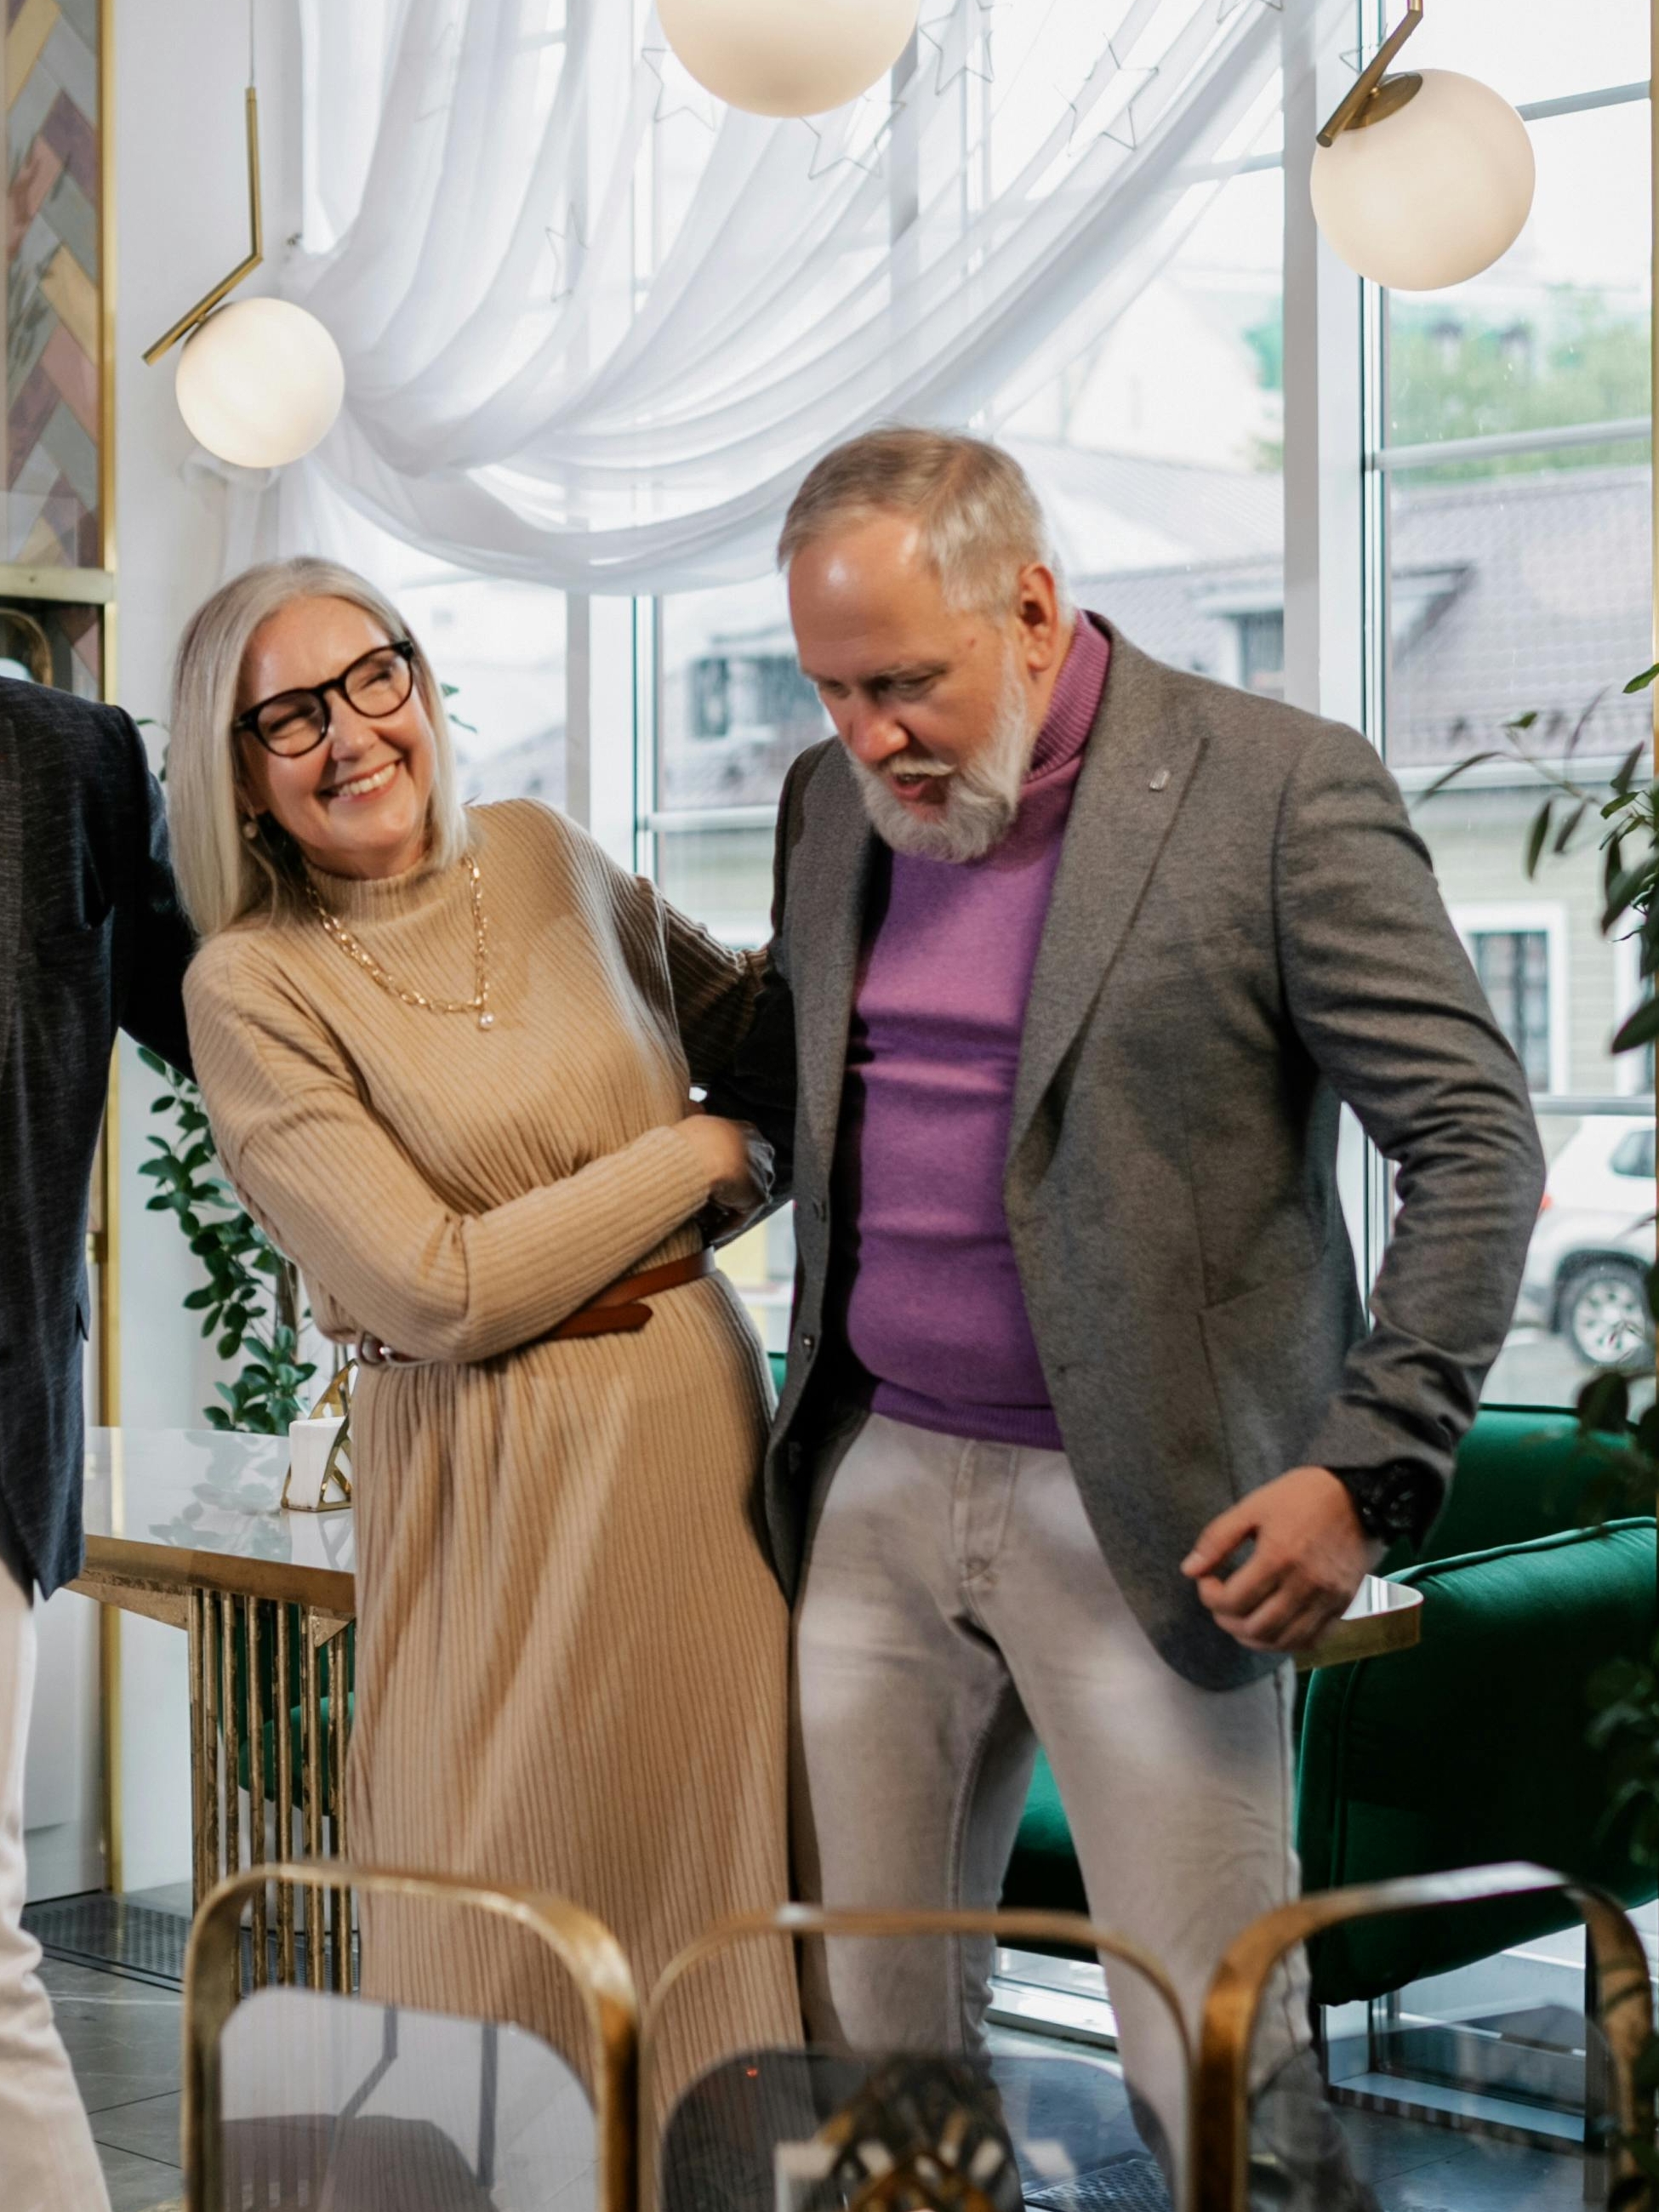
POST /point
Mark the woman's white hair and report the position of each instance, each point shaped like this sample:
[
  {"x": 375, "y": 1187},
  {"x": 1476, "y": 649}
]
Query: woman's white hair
[
  {"x": 979, "y": 520},
  {"x": 224, "y": 877}
]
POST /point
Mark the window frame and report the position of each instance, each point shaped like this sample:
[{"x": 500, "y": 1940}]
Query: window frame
[{"x": 1545, "y": 918}]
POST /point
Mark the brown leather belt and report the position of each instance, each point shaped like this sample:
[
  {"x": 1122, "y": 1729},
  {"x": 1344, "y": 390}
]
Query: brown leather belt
[{"x": 616, "y": 1311}]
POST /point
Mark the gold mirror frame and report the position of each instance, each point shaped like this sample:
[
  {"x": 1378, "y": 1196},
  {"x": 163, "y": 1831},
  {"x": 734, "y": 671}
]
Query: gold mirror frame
[{"x": 36, "y": 653}]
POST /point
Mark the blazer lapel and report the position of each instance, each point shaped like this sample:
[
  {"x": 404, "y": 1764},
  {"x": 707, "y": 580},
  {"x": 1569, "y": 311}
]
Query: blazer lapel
[
  {"x": 11, "y": 882},
  {"x": 1140, "y": 759},
  {"x": 826, "y": 928}
]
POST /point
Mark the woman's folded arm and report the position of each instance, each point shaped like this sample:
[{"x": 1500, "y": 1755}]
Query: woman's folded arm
[{"x": 339, "y": 1194}]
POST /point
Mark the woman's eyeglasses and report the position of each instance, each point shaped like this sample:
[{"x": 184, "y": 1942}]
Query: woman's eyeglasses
[{"x": 378, "y": 683}]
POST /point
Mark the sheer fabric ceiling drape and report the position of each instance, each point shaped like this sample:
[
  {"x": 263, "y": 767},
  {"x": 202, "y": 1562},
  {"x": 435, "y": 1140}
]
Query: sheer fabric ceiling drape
[{"x": 596, "y": 325}]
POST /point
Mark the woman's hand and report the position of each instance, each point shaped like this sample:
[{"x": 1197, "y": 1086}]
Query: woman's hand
[{"x": 736, "y": 1159}]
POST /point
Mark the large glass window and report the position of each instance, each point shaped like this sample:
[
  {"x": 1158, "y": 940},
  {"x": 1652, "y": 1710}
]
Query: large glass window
[
  {"x": 1158, "y": 452},
  {"x": 734, "y": 711},
  {"x": 499, "y": 648},
  {"x": 1517, "y": 582}
]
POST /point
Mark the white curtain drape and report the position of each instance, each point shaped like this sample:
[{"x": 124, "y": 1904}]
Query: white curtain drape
[{"x": 596, "y": 325}]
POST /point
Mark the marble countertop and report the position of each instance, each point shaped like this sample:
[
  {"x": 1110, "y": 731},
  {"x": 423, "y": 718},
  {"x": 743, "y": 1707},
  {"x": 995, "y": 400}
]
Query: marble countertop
[{"x": 190, "y": 1507}]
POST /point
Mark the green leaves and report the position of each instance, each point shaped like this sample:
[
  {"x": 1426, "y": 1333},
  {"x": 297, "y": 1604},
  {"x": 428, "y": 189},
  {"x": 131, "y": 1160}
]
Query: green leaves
[
  {"x": 1538, "y": 836},
  {"x": 1604, "y": 1404},
  {"x": 1641, "y": 1027},
  {"x": 250, "y": 1302}
]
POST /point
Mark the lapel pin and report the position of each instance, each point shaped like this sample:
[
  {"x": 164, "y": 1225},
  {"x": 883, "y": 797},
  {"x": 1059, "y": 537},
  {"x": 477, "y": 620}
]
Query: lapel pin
[{"x": 1160, "y": 781}]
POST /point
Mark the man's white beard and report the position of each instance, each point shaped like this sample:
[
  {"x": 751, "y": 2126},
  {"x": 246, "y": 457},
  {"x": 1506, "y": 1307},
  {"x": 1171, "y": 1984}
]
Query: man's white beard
[{"x": 982, "y": 796}]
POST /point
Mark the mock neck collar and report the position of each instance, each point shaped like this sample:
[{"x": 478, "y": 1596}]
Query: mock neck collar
[{"x": 1074, "y": 702}]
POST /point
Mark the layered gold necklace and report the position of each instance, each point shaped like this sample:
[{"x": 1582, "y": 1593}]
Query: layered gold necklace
[{"x": 478, "y": 1003}]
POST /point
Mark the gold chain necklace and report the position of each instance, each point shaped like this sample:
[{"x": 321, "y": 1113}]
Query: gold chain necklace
[{"x": 478, "y": 1003}]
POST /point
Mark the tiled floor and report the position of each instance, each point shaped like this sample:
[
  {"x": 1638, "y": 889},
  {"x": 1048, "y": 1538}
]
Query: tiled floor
[
  {"x": 123, "y": 2040},
  {"x": 1416, "y": 2167}
]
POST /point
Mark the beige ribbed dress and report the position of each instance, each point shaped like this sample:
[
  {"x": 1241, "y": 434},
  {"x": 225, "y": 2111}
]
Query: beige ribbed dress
[{"x": 571, "y": 1667}]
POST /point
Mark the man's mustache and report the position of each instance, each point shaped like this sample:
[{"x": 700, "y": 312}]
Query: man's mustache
[{"x": 916, "y": 764}]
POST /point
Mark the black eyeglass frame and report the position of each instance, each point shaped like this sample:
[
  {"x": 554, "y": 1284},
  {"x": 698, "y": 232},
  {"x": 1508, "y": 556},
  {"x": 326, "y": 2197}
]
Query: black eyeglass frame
[{"x": 248, "y": 723}]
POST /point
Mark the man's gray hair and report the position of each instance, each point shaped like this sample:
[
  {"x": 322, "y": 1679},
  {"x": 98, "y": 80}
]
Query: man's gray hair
[{"x": 980, "y": 521}]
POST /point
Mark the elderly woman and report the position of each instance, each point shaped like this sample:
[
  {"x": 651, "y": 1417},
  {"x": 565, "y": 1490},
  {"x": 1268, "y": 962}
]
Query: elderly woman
[{"x": 446, "y": 1054}]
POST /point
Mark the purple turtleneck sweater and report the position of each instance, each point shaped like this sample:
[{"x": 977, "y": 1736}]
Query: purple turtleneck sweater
[{"x": 935, "y": 1312}]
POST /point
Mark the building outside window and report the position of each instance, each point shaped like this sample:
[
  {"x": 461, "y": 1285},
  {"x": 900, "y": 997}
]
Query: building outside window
[
  {"x": 1513, "y": 965},
  {"x": 1510, "y": 561}
]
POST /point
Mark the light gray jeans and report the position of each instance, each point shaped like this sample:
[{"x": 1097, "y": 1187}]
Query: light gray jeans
[
  {"x": 47, "y": 2159},
  {"x": 956, "y": 1612}
]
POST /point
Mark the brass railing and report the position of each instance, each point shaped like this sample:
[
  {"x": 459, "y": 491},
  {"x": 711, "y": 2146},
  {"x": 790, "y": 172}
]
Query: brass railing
[{"x": 228, "y": 1692}]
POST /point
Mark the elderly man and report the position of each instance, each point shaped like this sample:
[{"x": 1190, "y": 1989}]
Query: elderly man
[
  {"x": 1075, "y": 958},
  {"x": 91, "y": 939}
]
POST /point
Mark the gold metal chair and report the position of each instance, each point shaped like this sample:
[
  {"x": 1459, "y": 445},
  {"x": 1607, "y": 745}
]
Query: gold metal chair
[
  {"x": 948, "y": 2180},
  {"x": 1222, "y": 2102},
  {"x": 586, "y": 1951}
]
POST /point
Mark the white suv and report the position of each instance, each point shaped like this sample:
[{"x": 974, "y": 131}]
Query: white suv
[{"x": 1586, "y": 1267}]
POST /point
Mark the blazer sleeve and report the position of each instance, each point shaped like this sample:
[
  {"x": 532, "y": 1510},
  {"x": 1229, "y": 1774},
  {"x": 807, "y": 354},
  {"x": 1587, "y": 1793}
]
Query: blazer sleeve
[
  {"x": 760, "y": 1084},
  {"x": 333, "y": 1187},
  {"x": 714, "y": 990},
  {"x": 161, "y": 942},
  {"x": 1383, "y": 996}
]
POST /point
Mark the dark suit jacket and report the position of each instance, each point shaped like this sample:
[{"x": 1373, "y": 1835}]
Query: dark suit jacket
[
  {"x": 91, "y": 940},
  {"x": 1244, "y": 931}
]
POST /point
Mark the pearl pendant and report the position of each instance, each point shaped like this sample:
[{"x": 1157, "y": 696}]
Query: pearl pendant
[{"x": 486, "y": 1021}]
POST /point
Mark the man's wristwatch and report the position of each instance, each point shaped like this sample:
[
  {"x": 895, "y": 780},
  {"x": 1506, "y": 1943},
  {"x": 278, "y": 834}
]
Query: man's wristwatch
[{"x": 1391, "y": 1500}]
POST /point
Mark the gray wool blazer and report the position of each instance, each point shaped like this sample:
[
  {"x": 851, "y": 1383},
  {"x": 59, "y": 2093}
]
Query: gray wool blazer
[{"x": 1245, "y": 931}]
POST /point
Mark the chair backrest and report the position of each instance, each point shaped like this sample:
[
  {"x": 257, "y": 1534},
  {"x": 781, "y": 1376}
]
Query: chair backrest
[
  {"x": 1230, "y": 2091},
  {"x": 1474, "y": 1744},
  {"x": 308, "y": 2095},
  {"x": 792, "y": 2129}
]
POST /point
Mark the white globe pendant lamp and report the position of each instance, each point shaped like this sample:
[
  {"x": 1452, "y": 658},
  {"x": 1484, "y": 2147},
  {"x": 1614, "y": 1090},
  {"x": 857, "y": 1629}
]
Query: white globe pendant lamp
[
  {"x": 260, "y": 382},
  {"x": 787, "y": 57},
  {"x": 1422, "y": 180}
]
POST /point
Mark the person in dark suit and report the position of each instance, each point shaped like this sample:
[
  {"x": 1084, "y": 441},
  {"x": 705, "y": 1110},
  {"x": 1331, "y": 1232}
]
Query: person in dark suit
[
  {"x": 1085, "y": 1430},
  {"x": 91, "y": 940}
]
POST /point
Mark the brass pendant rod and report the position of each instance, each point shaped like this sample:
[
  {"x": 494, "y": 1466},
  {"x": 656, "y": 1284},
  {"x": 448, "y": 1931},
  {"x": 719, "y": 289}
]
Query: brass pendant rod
[
  {"x": 1366, "y": 84},
  {"x": 205, "y": 306}
]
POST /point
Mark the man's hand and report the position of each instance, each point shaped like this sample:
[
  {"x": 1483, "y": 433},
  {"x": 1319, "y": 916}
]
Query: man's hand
[{"x": 1310, "y": 1555}]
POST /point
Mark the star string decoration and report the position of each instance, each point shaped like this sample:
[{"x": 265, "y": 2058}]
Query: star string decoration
[
  {"x": 855, "y": 149},
  {"x": 963, "y": 47},
  {"x": 445, "y": 62},
  {"x": 678, "y": 91},
  {"x": 1109, "y": 71},
  {"x": 568, "y": 249}
]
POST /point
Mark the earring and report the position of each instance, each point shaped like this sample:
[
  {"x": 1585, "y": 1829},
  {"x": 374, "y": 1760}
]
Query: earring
[{"x": 250, "y": 827}]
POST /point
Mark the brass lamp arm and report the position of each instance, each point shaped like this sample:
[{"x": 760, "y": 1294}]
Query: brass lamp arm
[
  {"x": 205, "y": 306},
  {"x": 1351, "y": 115}
]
